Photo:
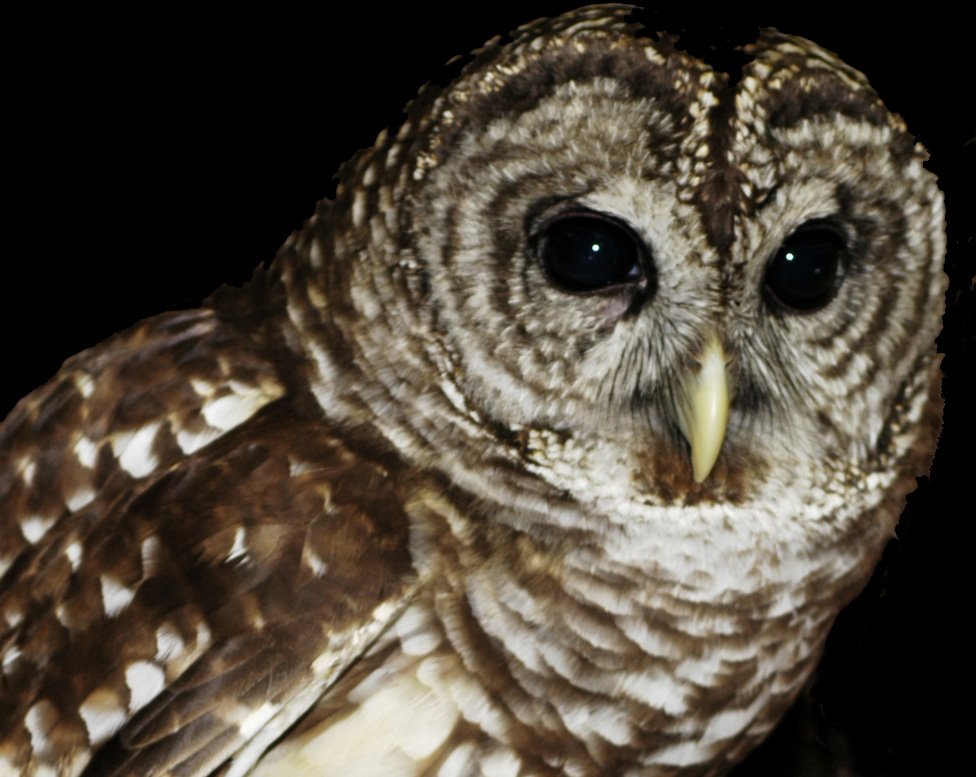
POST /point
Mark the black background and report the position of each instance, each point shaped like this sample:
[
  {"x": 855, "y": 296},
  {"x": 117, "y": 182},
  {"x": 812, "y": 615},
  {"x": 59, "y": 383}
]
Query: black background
[{"x": 152, "y": 157}]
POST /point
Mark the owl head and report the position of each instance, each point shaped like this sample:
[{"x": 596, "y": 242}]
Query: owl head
[{"x": 712, "y": 283}]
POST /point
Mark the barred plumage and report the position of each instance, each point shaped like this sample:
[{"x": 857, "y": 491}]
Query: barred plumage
[{"x": 403, "y": 481}]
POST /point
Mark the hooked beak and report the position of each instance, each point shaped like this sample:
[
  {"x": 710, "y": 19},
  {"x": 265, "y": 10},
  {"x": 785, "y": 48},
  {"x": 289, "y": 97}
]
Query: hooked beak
[{"x": 702, "y": 408}]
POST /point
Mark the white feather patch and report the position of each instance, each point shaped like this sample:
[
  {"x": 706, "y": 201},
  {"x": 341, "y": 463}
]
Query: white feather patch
[
  {"x": 606, "y": 722},
  {"x": 80, "y": 499},
  {"x": 150, "y": 555},
  {"x": 103, "y": 715},
  {"x": 457, "y": 763},
  {"x": 393, "y": 733},
  {"x": 40, "y": 719},
  {"x": 256, "y": 720},
  {"x": 27, "y": 467},
  {"x": 10, "y": 657},
  {"x": 84, "y": 383},
  {"x": 115, "y": 596},
  {"x": 86, "y": 451},
  {"x": 191, "y": 442},
  {"x": 314, "y": 562},
  {"x": 7, "y": 766},
  {"x": 134, "y": 450},
  {"x": 234, "y": 409},
  {"x": 203, "y": 388},
  {"x": 500, "y": 763},
  {"x": 417, "y": 634},
  {"x": 657, "y": 690},
  {"x": 169, "y": 644},
  {"x": 146, "y": 681},
  {"x": 34, "y": 527},
  {"x": 681, "y": 754},
  {"x": 204, "y": 636},
  {"x": 13, "y": 617},
  {"x": 730, "y": 723},
  {"x": 238, "y": 550}
]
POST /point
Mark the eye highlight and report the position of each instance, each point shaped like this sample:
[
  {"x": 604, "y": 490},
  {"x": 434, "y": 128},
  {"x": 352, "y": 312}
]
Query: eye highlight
[
  {"x": 584, "y": 251},
  {"x": 806, "y": 270}
]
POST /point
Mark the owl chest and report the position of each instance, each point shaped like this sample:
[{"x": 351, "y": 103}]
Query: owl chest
[
  {"x": 535, "y": 702},
  {"x": 407, "y": 708}
]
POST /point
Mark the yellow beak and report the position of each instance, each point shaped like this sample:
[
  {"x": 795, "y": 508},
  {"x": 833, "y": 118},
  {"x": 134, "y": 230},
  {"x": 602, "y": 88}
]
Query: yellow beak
[{"x": 702, "y": 409}]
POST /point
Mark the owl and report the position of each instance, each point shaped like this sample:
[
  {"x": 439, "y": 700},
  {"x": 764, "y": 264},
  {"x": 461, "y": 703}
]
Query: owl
[{"x": 552, "y": 445}]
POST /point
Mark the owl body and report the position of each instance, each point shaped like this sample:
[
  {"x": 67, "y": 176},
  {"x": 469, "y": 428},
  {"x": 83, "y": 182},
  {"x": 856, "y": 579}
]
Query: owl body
[{"x": 426, "y": 498}]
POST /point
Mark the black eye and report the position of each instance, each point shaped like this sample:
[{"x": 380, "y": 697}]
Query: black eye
[
  {"x": 589, "y": 251},
  {"x": 804, "y": 273}
]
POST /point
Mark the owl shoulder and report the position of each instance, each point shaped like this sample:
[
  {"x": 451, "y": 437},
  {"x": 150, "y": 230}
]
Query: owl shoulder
[
  {"x": 183, "y": 547},
  {"x": 120, "y": 412}
]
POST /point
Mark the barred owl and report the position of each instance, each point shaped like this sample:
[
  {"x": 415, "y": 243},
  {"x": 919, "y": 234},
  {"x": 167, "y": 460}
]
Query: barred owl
[{"x": 553, "y": 444}]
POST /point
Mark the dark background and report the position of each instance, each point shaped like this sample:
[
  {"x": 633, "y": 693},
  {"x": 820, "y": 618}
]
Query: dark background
[{"x": 156, "y": 156}]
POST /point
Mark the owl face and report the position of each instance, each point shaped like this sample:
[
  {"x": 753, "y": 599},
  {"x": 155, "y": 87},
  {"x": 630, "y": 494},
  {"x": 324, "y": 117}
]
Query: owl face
[{"x": 599, "y": 240}]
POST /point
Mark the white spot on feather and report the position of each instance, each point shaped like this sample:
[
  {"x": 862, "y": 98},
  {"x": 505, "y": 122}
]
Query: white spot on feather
[
  {"x": 500, "y": 763},
  {"x": 103, "y": 715},
  {"x": 476, "y": 706},
  {"x": 384, "y": 610},
  {"x": 316, "y": 297},
  {"x": 204, "y": 636},
  {"x": 191, "y": 442},
  {"x": 84, "y": 383},
  {"x": 115, "y": 596},
  {"x": 415, "y": 720},
  {"x": 728, "y": 723},
  {"x": 34, "y": 527},
  {"x": 238, "y": 550},
  {"x": 63, "y": 616},
  {"x": 40, "y": 719},
  {"x": 657, "y": 690},
  {"x": 314, "y": 562},
  {"x": 73, "y": 551},
  {"x": 416, "y": 633},
  {"x": 256, "y": 720},
  {"x": 587, "y": 723},
  {"x": 234, "y": 409},
  {"x": 682, "y": 754},
  {"x": 456, "y": 764},
  {"x": 653, "y": 55},
  {"x": 315, "y": 254},
  {"x": 146, "y": 681},
  {"x": 86, "y": 451},
  {"x": 169, "y": 644},
  {"x": 80, "y": 499},
  {"x": 10, "y": 657},
  {"x": 358, "y": 208},
  {"x": 7, "y": 766},
  {"x": 13, "y": 617},
  {"x": 298, "y": 467},
  {"x": 203, "y": 388},
  {"x": 27, "y": 468},
  {"x": 150, "y": 556},
  {"x": 134, "y": 450}
]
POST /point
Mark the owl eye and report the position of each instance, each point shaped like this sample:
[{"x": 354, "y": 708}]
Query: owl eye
[
  {"x": 589, "y": 251},
  {"x": 805, "y": 272}
]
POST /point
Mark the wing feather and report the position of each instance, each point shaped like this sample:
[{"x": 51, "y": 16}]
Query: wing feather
[{"x": 189, "y": 562}]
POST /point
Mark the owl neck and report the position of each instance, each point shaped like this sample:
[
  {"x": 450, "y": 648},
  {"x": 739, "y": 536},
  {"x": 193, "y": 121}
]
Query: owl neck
[{"x": 610, "y": 648}]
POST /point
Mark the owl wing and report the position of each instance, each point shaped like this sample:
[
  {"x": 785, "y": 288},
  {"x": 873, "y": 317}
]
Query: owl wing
[{"x": 190, "y": 556}]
